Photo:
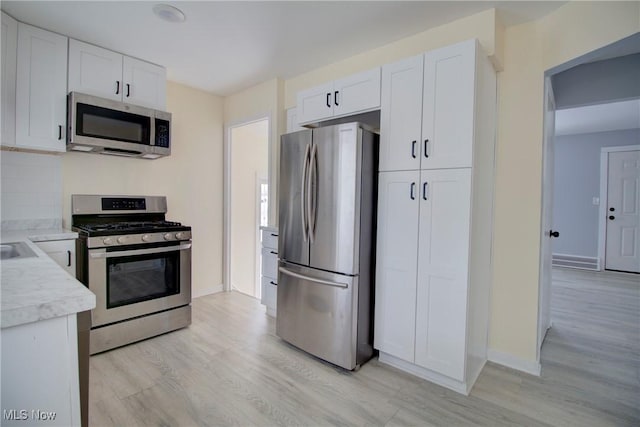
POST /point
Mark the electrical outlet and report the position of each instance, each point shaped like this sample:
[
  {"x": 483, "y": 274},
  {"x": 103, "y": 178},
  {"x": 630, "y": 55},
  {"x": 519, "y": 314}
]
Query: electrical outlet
[{"x": 596, "y": 201}]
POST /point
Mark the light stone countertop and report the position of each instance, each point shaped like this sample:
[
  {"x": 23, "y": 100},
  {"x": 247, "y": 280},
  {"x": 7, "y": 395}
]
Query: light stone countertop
[{"x": 36, "y": 288}]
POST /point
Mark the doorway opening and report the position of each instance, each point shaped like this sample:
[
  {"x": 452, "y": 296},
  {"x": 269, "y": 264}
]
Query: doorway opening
[
  {"x": 247, "y": 203},
  {"x": 586, "y": 103}
]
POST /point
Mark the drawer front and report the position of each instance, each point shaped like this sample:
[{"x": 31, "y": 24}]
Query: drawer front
[
  {"x": 269, "y": 239},
  {"x": 58, "y": 245},
  {"x": 269, "y": 292},
  {"x": 269, "y": 263}
]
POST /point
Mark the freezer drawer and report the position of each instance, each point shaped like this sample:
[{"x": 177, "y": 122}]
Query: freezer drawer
[{"x": 317, "y": 312}]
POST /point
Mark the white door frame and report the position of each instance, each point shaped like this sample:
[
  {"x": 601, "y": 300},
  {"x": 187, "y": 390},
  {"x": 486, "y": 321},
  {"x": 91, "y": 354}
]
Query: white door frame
[
  {"x": 544, "y": 284},
  {"x": 604, "y": 181},
  {"x": 226, "y": 263}
]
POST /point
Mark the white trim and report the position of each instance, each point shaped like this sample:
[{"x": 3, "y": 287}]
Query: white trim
[
  {"x": 575, "y": 261},
  {"x": 547, "y": 161},
  {"x": 604, "y": 178},
  {"x": 226, "y": 256},
  {"x": 427, "y": 374},
  {"x": 505, "y": 359},
  {"x": 213, "y": 289}
]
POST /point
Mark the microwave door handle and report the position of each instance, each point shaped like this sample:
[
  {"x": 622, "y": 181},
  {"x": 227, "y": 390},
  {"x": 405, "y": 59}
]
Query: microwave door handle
[{"x": 140, "y": 251}]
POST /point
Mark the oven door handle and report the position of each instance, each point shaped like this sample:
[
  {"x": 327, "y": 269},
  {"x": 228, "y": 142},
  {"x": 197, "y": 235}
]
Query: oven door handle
[{"x": 140, "y": 251}]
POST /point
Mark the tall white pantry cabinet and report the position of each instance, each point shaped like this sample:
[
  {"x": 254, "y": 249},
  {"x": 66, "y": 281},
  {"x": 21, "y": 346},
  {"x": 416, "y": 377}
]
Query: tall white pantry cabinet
[{"x": 435, "y": 209}]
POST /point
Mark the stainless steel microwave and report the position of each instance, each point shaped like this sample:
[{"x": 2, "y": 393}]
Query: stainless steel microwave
[{"x": 104, "y": 126}]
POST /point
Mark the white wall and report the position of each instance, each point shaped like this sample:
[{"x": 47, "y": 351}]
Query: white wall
[
  {"x": 576, "y": 183},
  {"x": 31, "y": 190},
  {"x": 249, "y": 155},
  {"x": 191, "y": 178}
]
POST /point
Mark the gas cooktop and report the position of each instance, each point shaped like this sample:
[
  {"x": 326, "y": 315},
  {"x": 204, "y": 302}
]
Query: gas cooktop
[{"x": 126, "y": 227}]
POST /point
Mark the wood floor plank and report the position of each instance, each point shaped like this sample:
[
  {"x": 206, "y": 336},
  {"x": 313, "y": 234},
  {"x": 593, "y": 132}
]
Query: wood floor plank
[{"x": 230, "y": 369}]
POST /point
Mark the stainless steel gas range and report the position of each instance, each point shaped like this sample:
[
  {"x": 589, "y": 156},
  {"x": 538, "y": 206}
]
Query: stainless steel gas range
[{"x": 138, "y": 265}]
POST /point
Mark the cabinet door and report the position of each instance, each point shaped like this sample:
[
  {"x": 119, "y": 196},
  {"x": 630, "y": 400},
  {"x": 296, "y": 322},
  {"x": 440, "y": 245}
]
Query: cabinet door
[
  {"x": 144, "y": 83},
  {"x": 396, "y": 263},
  {"x": 445, "y": 204},
  {"x": 63, "y": 252},
  {"x": 9, "y": 39},
  {"x": 292, "y": 120},
  {"x": 447, "y": 123},
  {"x": 357, "y": 93},
  {"x": 95, "y": 70},
  {"x": 41, "y": 89},
  {"x": 315, "y": 104},
  {"x": 401, "y": 115}
]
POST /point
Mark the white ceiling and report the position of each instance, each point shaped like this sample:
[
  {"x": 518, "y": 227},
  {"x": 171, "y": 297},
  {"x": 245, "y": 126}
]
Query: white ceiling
[
  {"x": 223, "y": 47},
  {"x": 599, "y": 118}
]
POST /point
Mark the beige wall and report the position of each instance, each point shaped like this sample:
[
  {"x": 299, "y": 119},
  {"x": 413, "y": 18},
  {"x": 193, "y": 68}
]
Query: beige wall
[
  {"x": 262, "y": 100},
  {"x": 191, "y": 178},
  {"x": 249, "y": 155}
]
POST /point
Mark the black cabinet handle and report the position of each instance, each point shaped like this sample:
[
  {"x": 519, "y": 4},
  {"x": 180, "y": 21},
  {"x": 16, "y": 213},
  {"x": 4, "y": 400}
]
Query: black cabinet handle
[
  {"x": 68, "y": 258},
  {"x": 426, "y": 153},
  {"x": 274, "y": 235},
  {"x": 425, "y": 187},
  {"x": 273, "y": 283},
  {"x": 59, "y": 132},
  {"x": 128, "y": 90},
  {"x": 117, "y": 87},
  {"x": 335, "y": 98},
  {"x": 413, "y": 149},
  {"x": 329, "y": 99},
  {"x": 612, "y": 209},
  {"x": 274, "y": 253},
  {"x": 413, "y": 193},
  {"x": 554, "y": 233},
  {"x": 611, "y": 217}
]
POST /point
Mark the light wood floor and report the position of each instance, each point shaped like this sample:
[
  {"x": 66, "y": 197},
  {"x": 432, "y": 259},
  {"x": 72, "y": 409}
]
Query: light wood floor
[{"x": 229, "y": 368}]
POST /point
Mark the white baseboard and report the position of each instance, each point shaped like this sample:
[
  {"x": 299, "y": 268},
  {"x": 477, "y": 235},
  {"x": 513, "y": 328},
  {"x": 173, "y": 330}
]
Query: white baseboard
[
  {"x": 513, "y": 362},
  {"x": 213, "y": 289},
  {"x": 575, "y": 261}
]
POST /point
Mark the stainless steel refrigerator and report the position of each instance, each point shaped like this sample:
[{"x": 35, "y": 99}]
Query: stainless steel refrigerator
[{"x": 327, "y": 199}]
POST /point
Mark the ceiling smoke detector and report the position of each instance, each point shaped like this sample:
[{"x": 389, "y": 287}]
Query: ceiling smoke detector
[{"x": 169, "y": 13}]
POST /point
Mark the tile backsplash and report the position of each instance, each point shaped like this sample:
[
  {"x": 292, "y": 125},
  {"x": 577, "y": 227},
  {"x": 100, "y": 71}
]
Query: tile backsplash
[{"x": 31, "y": 190}]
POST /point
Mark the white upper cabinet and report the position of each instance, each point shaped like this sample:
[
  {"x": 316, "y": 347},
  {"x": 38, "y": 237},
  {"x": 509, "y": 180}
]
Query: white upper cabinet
[
  {"x": 107, "y": 74},
  {"x": 427, "y": 110},
  {"x": 357, "y": 93},
  {"x": 144, "y": 83},
  {"x": 9, "y": 39},
  {"x": 448, "y": 106},
  {"x": 41, "y": 89},
  {"x": 401, "y": 115},
  {"x": 95, "y": 70},
  {"x": 292, "y": 120}
]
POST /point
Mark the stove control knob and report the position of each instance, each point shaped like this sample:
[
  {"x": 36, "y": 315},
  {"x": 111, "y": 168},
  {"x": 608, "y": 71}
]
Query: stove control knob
[
  {"x": 107, "y": 241},
  {"x": 146, "y": 237},
  {"x": 180, "y": 235},
  {"x": 169, "y": 236},
  {"x": 122, "y": 240}
]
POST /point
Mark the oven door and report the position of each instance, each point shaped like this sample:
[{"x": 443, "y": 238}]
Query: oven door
[{"x": 135, "y": 281}]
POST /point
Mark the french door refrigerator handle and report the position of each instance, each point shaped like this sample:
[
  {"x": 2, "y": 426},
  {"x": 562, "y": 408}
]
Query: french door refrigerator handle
[
  {"x": 303, "y": 196},
  {"x": 312, "y": 197},
  {"x": 312, "y": 279}
]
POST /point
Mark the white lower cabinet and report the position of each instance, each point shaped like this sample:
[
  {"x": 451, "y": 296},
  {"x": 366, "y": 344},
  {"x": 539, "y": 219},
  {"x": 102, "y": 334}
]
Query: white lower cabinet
[
  {"x": 269, "y": 269},
  {"x": 63, "y": 252}
]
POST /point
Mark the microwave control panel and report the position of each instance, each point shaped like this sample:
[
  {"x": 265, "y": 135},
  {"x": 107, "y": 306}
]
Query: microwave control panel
[{"x": 162, "y": 133}]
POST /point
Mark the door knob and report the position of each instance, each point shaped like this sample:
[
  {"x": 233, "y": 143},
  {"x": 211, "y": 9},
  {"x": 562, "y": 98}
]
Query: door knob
[
  {"x": 611, "y": 217},
  {"x": 554, "y": 233}
]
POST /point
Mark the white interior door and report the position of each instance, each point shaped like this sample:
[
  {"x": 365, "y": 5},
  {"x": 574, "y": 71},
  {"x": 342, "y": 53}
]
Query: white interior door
[
  {"x": 544, "y": 296},
  {"x": 623, "y": 212}
]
